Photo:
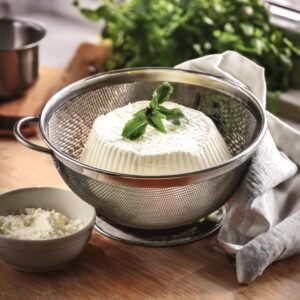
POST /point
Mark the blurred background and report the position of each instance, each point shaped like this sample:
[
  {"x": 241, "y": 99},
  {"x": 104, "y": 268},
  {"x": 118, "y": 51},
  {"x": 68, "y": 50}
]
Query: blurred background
[{"x": 67, "y": 28}]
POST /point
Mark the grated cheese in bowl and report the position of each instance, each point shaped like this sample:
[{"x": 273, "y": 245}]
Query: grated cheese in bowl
[{"x": 38, "y": 224}]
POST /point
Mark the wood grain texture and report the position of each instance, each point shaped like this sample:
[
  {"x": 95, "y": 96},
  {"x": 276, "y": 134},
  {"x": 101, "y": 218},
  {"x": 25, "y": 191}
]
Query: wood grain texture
[
  {"x": 32, "y": 101},
  {"x": 108, "y": 269}
]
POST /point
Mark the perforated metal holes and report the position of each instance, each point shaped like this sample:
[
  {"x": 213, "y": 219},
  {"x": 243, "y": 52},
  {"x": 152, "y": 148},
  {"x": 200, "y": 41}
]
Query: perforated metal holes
[{"x": 71, "y": 122}]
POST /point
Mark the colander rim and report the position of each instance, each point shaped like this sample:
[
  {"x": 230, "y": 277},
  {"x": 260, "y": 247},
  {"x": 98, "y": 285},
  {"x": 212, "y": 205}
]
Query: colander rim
[{"x": 106, "y": 175}]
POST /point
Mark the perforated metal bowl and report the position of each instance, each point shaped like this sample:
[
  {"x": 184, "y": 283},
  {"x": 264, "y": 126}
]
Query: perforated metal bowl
[{"x": 149, "y": 202}]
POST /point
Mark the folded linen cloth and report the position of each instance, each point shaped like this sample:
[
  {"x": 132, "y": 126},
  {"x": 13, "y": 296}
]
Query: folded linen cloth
[{"x": 263, "y": 223}]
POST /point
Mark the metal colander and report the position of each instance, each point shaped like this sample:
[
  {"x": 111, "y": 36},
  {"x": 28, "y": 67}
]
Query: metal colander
[{"x": 149, "y": 202}]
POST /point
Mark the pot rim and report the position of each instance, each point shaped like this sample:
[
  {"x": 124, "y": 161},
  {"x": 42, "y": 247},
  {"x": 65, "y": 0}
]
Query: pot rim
[{"x": 34, "y": 25}]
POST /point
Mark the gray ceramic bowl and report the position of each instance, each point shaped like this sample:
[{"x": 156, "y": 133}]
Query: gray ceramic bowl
[{"x": 51, "y": 254}]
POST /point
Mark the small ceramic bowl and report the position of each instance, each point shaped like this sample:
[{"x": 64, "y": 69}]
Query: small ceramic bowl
[{"x": 50, "y": 254}]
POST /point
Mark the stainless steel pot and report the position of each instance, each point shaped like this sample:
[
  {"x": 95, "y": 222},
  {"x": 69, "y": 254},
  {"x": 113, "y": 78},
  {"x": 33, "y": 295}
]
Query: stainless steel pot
[{"x": 18, "y": 55}]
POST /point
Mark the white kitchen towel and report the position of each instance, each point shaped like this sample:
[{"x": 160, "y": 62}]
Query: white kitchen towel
[{"x": 263, "y": 223}]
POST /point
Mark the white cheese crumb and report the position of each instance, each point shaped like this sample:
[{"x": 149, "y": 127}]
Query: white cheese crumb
[{"x": 38, "y": 224}]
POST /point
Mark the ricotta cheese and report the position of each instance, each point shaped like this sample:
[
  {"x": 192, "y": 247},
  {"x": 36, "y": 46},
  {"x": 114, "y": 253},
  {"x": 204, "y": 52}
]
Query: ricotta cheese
[
  {"x": 194, "y": 145},
  {"x": 38, "y": 224}
]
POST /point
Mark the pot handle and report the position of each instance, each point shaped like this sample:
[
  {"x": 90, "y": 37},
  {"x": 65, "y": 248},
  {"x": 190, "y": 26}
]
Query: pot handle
[{"x": 20, "y": 137}]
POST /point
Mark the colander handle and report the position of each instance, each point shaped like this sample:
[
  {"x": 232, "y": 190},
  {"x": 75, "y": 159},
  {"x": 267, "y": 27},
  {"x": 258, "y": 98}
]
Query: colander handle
[{"x": 20, "y": 137}]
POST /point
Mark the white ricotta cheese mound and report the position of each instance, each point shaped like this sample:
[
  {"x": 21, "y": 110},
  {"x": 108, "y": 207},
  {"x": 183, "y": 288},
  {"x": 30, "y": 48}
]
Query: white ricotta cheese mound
[
  {"x": 38, "y": 224},
  {"x": 194, "y": 145}
]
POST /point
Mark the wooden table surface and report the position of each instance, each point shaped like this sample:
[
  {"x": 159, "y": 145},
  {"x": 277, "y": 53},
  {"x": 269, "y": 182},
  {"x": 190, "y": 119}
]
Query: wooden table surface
[{"x": 109, "y": 269}]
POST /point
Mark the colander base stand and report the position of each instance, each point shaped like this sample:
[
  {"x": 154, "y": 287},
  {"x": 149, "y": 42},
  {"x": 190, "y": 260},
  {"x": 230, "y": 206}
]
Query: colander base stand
[{"x": 163, "y": 238}]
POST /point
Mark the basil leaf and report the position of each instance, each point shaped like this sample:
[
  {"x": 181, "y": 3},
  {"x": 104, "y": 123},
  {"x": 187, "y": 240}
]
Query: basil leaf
[
  {"x": 153, "y": 103},
  {"x": 153, "y": 114},
  {"x": 155, "y": 121},
  {"x": 163, "y": 92},
  {"x": 164, "y": 110},
  {"x": 134, "y": 128},
  {"x": 141, "y": 113},
  {"x": 173, "y": 115},
  {"x": 159, "y": 114}
]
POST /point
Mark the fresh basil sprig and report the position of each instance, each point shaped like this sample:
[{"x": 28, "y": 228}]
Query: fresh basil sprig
[{"x": 153, "y": 114}]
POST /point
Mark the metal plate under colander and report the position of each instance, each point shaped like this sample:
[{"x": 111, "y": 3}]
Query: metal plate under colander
[{"x": 164, "y": 238}]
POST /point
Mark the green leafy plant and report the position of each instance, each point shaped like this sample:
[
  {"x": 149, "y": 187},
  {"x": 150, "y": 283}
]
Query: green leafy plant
[
  {"x": 167, "y": 32},
  {"x": 153, "y": 114}
]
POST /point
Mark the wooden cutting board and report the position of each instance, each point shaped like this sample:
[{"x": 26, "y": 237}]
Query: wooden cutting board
[
  {"x": 87, "y": 59},
  {"x": 31, "y": 102}
]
